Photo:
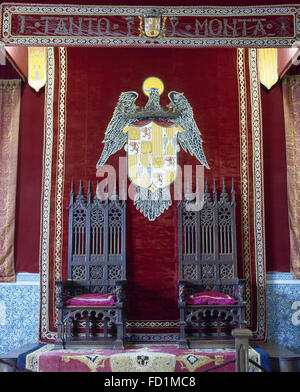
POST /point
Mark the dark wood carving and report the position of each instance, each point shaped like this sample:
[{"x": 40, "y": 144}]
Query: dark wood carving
[
  {"x": 96, "y": 264},
  {"x": 208, "y": 262}
]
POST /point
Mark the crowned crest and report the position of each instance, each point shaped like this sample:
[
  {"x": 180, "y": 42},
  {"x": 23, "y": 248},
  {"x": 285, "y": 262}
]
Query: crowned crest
[
  {"x": 37, "y": 67},
  {"x": 152, "y": 24},
  {"x": 151, "y": 135}
]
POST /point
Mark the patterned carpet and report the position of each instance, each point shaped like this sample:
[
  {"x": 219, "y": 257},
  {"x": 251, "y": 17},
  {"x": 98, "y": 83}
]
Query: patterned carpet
[{"x": 168, "y": 358}]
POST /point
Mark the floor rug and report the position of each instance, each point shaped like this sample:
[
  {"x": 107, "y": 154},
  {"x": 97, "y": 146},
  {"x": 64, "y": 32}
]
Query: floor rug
[{"x": 151, "y": 358}]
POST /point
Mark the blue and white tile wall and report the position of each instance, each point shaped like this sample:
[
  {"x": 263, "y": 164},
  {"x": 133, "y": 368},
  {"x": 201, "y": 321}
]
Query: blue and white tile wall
[
  {"x": 19, "y": 312},
  {"x": 283, "y": 310}
]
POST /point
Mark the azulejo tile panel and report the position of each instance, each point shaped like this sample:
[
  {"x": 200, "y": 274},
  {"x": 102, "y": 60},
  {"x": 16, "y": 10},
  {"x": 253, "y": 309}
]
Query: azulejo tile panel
[
  {"x": 19, "y": 312},
  {"x": 283, "y": 315}
]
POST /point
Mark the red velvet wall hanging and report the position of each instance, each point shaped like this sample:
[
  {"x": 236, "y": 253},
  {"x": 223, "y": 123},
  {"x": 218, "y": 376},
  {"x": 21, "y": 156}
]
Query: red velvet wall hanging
[
  {"x": 83, "y": 88},
  {"x": 32, "y": 108}
]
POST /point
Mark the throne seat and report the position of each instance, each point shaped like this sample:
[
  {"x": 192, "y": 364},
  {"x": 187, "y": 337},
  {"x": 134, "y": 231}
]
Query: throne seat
[
  {"x": 92, "y": 301},
  {"x": 208, "y": 265}
]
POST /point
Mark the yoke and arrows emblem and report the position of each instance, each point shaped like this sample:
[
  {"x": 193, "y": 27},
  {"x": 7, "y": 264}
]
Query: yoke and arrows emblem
[{"x": 151, "y": 136}]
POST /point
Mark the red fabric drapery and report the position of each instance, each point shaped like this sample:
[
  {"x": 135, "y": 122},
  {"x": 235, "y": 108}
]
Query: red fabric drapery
[
  {"x": 9, "y": 135},
  {"x": 82, "y": 91},
  {"x": 291, "y": 104}
]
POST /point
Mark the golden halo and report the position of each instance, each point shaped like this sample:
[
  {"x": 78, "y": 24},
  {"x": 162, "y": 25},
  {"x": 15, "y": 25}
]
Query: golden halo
[{"x": 152, "y": 81}]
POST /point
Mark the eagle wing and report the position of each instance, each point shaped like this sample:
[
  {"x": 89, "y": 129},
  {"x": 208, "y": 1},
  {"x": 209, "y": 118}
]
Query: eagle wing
[
  {"x": 189, "y": 138},
  {"x": 115, "y": 138}
]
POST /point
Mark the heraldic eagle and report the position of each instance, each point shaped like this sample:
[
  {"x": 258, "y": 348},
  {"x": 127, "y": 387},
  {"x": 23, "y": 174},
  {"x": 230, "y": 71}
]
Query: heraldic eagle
[{"x": 180, "y": 113}]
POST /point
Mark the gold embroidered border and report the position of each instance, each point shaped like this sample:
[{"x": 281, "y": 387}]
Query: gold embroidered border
[
  {"x": 244, "y": 159},
  {"x": 60, "y": 161},
  {"x": 60, "y": 171},
  {"x": 93, "y": 362},
  {"x": 258, "y": 197},
  {"x": 46, "y": 200},
  {"x": 59, "y": 191},
  {"x": 191, "y": 41}
]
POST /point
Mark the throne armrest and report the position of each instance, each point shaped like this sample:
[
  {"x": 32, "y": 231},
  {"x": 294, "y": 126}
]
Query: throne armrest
[
  {"x": 63, "y": 289},
  {"x": 67, "y": 282},
  {"x": 120, "y": 291},
  {"x": 64, "y": 284},
  {"x": 61, "y": 284},
  {"x": 182, "y": 287},
  {"x": 239, "y": 292}
]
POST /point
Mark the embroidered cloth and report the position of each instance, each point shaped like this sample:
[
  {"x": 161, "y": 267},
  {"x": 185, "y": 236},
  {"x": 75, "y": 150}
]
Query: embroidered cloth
[
  {"x": 150, "y": 358},
  {"x": 10, "y": 95},
  {"x": 291, "y": 105}
]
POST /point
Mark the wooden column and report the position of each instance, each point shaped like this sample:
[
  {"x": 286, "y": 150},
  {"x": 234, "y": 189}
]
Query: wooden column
[{"x": 241, "y": 336}]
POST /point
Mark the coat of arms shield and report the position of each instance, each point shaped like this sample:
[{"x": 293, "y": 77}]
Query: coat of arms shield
[
  {"x": 152, "y": 24},
  {"x": 152, "y": 154},
  {"x": 151, "y": 135}
]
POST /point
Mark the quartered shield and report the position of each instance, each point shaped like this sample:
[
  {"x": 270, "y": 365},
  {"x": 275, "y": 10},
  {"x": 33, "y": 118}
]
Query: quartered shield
[
  {"x": 152, "y": 154},
  {"x": 152, "y": 136},
  {"x": 152, "y": 26}
]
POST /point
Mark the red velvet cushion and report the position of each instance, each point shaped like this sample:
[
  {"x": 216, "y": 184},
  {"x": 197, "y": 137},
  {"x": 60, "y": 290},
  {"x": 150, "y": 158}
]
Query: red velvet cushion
[
  {"x": 91, "y": 300},
  {"x": 210, "y": 298}
]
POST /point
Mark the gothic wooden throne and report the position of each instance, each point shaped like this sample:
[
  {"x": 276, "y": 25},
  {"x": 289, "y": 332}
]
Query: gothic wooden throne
[
  {"x": 208, "y": 282},
  {"x": 92, "y": 302}
]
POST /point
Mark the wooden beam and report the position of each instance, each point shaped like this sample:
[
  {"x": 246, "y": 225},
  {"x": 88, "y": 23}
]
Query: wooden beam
[{"x": 286, "y": 58}]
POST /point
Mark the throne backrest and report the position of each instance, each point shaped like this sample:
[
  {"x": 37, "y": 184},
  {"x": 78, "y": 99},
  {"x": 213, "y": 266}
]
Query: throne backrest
[
  {"x": 207, "y": 241},
  {"x": 97, "y": 248}
]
